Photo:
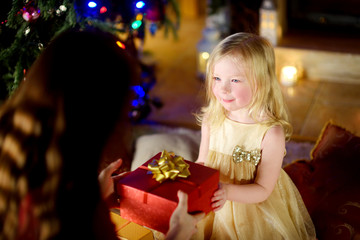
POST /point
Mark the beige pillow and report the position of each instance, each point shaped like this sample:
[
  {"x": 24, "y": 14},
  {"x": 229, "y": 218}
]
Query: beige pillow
[{"x": 184, "y": 143}]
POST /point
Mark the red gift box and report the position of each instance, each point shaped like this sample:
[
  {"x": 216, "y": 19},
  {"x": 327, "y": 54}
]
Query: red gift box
[{"x": 150, "y": 203}]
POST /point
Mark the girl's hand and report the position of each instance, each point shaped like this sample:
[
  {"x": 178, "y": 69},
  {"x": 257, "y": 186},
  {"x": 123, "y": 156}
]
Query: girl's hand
[{"x": 219, "y": 198}]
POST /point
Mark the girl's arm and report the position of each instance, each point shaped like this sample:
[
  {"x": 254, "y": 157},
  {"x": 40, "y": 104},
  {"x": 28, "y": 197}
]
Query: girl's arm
[
  {"x": 204, "y": 143},
  {"x": 273, "y": 147}
]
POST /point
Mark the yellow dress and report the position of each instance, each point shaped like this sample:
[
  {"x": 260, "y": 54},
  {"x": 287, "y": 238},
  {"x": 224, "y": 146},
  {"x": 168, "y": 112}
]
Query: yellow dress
[{"x": 282, "y": 216}]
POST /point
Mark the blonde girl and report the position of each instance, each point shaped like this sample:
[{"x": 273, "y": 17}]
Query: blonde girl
[{"x": 244, "y": 129}]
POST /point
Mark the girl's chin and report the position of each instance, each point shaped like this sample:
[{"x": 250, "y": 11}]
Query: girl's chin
[{"x": 228, "y": 109}]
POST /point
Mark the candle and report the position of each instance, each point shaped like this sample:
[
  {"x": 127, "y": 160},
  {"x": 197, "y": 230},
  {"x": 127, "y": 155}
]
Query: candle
[{"x": 289, "y": 75}]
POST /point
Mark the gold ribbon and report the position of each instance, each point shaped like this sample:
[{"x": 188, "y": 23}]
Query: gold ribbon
[
  {"x": 240, "y": 155},
  {"x": 169, "y": 166}
]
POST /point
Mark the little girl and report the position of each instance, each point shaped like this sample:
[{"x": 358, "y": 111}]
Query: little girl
[{"x": 244, "y": 128}]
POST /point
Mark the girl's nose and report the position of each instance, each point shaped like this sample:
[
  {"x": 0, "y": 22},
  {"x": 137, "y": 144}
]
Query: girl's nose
[{"x": 225, "y": 87}]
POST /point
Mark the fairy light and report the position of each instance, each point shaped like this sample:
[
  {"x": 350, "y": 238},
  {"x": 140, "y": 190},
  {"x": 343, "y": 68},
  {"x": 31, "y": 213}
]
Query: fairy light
[
  {"x": 139, "y": 17},
  {"x": 140, "y": 4},
  {"x": 120, "y": 44},
  {"x": 103, "y": 9},
  {"x": 136, "y": 24},
  {"x": 92, "y": 4}
]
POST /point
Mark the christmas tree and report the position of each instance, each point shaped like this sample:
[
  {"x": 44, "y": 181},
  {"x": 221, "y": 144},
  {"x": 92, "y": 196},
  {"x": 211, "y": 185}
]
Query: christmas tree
[{"x": 29, "y": 25}]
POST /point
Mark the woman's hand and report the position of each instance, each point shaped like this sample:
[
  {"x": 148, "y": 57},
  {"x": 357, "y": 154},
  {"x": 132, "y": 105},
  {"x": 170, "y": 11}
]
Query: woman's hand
[
  {"x": 182, "y": 224},
  {"x": 106, "y": 182},
  {"x": 219, "y": 198}
]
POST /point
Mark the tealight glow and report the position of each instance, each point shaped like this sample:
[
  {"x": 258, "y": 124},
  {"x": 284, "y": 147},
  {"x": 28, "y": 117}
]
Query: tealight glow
[{"x": 289, "y": 75}]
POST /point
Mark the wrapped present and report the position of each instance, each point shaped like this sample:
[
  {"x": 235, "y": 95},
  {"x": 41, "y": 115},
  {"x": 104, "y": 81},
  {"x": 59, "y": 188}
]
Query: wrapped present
[
  {"x": 129, "y": 230},
  {"x": 149, "y": 193}
]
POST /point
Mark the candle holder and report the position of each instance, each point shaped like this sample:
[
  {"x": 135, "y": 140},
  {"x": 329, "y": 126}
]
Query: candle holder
[{"x": 205, "y": 46}]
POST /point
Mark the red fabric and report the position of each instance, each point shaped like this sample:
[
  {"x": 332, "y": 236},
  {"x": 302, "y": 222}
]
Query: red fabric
[
  {"x": 150, "y": 203},
  {"x": 329, "y": 183},
  {"x": 28, "y": 223}
]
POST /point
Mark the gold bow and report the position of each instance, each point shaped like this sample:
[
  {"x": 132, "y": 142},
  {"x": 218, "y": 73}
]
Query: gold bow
[
  {"x": 169, "y": 166},
  {"x": 252, "y": 156}
]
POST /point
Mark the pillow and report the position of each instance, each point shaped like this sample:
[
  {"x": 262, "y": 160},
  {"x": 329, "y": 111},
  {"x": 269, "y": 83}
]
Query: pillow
[
  {"x": 335, "y": 157},
  {"x": 300, "y": 172},
  {"x": 335, "y": 160},
  {"x": 184, "y": 143},
  {"x": 334, "y": 164},
  {"x": 335, "y": 140},
  {"x": 339, "y": 216}
]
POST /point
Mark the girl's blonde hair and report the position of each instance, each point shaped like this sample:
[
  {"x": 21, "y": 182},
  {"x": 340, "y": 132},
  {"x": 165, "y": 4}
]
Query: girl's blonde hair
[{"x": 256, "y": 54}]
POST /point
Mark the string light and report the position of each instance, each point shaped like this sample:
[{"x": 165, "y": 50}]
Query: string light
[
  {"x": 140, "y": 4},
  {"x": 63, "y": 8},
  {"x": 103, "y": 9},
  {"x": 120, "y": 44},
  {"x": 139, "y": 17},
  {"x": 139, "y": 91},
  {"x": 136, "y": 24},
  {"x": 92, "y": 4}
]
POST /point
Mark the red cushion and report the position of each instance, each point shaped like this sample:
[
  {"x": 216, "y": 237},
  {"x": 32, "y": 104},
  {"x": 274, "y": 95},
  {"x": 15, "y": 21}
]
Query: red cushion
[
  {"x": 335, "y": 158},
  {"x": 338, "y": 216},
  {"x": 329, "y": 183},
  {"x": 300, "y": 172},
  {"x": 335, "y": 140}
]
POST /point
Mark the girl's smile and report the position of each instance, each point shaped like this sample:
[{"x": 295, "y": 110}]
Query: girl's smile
[{"x": 227, "y": 101}]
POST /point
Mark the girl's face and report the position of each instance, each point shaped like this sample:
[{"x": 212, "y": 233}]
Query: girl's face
[{"x": 231, "y": 86}]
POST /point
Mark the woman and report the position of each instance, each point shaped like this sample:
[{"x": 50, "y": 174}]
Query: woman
[{"x": 52, "y": 134}]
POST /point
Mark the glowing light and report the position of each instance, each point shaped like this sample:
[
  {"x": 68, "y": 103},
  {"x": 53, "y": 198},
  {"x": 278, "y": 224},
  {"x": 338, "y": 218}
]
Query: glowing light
[
  {"x": 288, "y": 75},
  {"x": 140, "y": 4},
  {"x": 135, "y": 103},
  {"x": 92, "y": 4},
  {"x": 139, "y": 17},
  {"x": 205, "y": 55},
  {"x": 62, "y": 8},
  {"x": 120, "y": 44},
  {"x": 139, "y": 91},
  {"x": 202, "y": 61},
  {"x": 103, "y": 10},
  {"x": 136, "y": 24},
  {"x": 290, "y": 91}
]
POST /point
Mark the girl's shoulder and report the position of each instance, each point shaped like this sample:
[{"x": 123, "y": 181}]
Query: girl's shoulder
[{"x": 273, "y": 136}]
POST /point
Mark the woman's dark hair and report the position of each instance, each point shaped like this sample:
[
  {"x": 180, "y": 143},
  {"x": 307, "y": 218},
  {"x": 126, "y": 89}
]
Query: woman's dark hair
[{"x": 53, "y": 131}]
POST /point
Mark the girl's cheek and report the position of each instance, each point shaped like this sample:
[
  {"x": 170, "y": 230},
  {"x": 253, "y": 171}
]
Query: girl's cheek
[{"x": 213, "y": 89}]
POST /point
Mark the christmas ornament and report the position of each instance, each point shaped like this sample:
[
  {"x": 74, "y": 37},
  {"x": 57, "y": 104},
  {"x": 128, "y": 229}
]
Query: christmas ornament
[
  {"x": 153, "y": 28},
  {"x": 142, "y": 104},
  {"x": 60, "y": 10},
  {"x": 27, "y": 31},
  {"x": 156, "y": 11},
  {"x": 30, "y": 13}
]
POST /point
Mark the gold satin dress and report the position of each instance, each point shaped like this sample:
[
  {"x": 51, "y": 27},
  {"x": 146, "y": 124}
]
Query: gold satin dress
[{"x": 235, "y": 151}]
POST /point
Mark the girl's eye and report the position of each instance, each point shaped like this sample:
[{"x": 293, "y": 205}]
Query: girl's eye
[
  {"x": 216, "y": 78},
  {"x": 235, "y": 80}
]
